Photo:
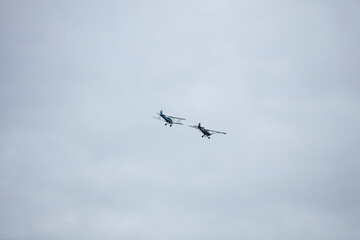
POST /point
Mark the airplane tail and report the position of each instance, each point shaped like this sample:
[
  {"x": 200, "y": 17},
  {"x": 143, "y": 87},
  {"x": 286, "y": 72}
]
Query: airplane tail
[
  {"x": 199, "y": 126},
  {"x": 161, "y": 112}
]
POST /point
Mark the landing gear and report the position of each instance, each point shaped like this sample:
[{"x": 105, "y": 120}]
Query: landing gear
[{"x": 170, "y": 125}]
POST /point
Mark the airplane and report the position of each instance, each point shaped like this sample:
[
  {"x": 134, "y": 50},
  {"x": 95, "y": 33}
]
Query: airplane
[
  {"x": 206, "y": 132},
  {"x": 169, "y": 119}
]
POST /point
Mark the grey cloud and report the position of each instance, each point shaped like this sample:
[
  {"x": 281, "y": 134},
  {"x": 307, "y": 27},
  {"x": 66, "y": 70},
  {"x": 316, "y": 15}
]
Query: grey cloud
[{"x": 81, "y": 156}]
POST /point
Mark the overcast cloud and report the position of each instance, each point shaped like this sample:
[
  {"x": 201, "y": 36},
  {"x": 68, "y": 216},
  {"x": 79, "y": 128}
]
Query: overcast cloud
[{"x": 82, "y": 158}]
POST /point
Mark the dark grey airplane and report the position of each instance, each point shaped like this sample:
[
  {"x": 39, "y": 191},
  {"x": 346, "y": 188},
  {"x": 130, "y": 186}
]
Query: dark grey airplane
[{"x": 206, "y": 132}]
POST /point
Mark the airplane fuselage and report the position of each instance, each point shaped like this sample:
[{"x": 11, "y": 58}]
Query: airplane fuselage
[
  {"x": 203, "y": 130},
  {"x": 167, "y": 119}
]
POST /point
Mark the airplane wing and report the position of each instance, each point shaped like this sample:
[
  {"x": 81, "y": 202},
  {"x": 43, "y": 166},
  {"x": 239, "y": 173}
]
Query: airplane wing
[
  {"x": 176, "y": 118},
  {"x": 195, "y": 126},
  {"x": 213, "y": 131},
  {"x": 174, "y": 122}
]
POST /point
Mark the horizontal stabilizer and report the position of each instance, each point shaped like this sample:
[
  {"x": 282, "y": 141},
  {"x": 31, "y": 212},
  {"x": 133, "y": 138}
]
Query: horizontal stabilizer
[{"x": 159, "y": 118}]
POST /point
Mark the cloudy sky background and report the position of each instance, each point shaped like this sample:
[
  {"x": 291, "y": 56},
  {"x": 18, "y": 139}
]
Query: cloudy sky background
[{"x": 82, "y": 158}]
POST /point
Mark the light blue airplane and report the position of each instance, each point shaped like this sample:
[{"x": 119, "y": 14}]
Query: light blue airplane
[{"x": 169, "y": 119}]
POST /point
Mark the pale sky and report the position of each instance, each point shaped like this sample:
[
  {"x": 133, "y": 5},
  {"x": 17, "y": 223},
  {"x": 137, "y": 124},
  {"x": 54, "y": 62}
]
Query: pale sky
[{"x": 82, "y": 158}]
